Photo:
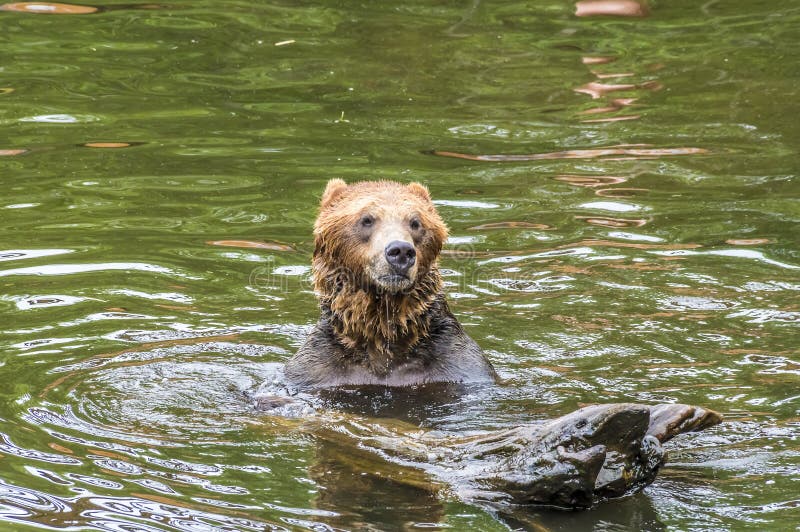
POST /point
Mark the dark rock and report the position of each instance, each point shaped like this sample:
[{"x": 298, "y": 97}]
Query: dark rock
[
  {"x": 594, "y": 453},
  {"x": 572, "y": 462}
]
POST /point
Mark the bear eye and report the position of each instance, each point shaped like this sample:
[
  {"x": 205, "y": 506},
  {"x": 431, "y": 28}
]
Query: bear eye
[
  {"x": 367, "y": 220},
  {"x": 415, "y": 225}
]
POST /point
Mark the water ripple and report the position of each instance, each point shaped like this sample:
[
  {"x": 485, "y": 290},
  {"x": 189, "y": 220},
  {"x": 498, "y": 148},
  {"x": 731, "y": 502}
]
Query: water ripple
[
  {"x": 8, "y": 447},
  {"x": 696, "y": 303},
  {"x": 22, "y": 254},
  {"x": 25, "y": 502},
  {"x": 767, "y": 315},
  {"x": 68, "y": 269},
  {"x": 736, "y": 253}
]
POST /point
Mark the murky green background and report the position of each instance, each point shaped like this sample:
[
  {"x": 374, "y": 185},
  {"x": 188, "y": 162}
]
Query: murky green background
[{"x": 143, "y": 288}]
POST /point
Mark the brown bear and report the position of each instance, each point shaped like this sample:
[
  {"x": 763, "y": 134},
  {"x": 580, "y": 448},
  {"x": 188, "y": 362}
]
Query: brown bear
[
  {"x": 384, "y": 317},
  {"x": 385, "y": 321}
]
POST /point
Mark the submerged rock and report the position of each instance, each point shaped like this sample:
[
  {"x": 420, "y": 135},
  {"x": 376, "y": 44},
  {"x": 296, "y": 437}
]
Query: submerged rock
[
  {"x": 594, "y": 453},
  {"x": 572, "y": 462}
]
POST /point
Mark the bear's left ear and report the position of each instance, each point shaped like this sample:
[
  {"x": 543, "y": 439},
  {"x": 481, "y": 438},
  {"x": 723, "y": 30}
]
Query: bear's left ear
[
  {"x": 332, "y": 191},
  {"x": 419, "y": 190}
]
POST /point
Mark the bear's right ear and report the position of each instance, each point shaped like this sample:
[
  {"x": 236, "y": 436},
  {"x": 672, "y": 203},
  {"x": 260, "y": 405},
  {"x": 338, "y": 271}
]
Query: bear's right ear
[
  {"x": 332, "y": 191},
  {"x": 420, "y": 190}
]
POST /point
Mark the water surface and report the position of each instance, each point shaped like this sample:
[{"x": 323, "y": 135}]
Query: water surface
[{"x": 622, "y": 195}]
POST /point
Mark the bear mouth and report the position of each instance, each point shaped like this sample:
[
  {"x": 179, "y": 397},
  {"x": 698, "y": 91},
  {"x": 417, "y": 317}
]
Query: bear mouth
[{"x": 393, "y": 281}]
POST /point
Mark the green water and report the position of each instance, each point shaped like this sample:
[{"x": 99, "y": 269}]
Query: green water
[{"x": 665, "y": 272}]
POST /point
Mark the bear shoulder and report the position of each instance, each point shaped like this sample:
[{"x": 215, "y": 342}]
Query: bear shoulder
[{"x": 446, "y": 354}]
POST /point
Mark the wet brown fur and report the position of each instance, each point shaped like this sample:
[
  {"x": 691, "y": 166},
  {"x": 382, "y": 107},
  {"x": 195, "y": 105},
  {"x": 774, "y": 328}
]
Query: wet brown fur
[
  {"x": 370, "y": 332},
  {"x": 378, "y": 326}
]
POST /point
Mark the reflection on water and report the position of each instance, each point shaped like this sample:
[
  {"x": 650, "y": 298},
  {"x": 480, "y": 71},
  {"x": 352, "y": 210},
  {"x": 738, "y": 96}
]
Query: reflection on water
[
  {"x": 509, "y": 225},
  {"x": 591, "y": 181},
  {"x": 49, "y": 8},
  {"x": 606, "y": 153},
  {"x": 612, "y": 222},
  {"x": 249, "y": 244},
  {"x": 633, "y": 238},
  {"x": 108, "y": 144},
  {"x": 55, "y": 8},
  {"x": 618, "y": 8}
]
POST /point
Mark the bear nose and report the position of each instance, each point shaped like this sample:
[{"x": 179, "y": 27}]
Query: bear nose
[{"x": 400, "y": 255}]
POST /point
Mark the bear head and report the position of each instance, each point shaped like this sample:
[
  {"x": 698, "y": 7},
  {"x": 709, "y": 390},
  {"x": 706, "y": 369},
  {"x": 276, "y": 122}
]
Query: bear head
[{"x": 376, "y": 236}]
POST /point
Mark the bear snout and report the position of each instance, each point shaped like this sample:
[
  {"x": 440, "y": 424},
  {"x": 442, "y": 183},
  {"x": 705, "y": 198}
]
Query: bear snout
[{"x": 401, "y": 256}]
